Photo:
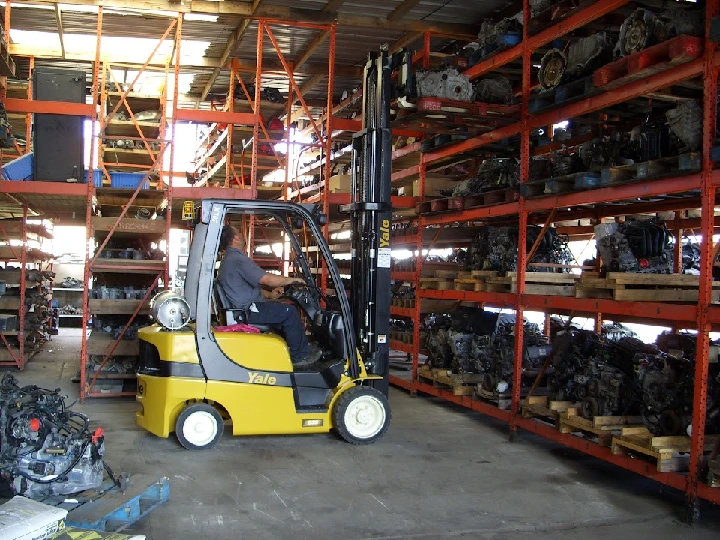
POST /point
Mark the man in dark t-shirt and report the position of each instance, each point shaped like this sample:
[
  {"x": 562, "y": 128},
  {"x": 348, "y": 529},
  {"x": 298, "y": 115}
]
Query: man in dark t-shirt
[{"x": 243, "y": 282}]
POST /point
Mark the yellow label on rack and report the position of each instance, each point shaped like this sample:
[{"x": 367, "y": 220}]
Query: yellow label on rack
[{"x": 188, "y": 211}]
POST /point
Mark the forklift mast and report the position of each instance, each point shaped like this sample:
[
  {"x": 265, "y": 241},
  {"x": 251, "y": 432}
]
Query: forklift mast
[{"x": 371, "y": 210}]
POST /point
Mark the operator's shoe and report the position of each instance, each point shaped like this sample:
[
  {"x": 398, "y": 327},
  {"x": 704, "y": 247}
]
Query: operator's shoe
[{"x": 310, "y": 358}]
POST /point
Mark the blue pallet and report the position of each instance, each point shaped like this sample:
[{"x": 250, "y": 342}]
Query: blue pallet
[
  {"x": 19, "y": 169},
  {"x": 117, "y": 509},
  {"x": 124, "y": 180}
]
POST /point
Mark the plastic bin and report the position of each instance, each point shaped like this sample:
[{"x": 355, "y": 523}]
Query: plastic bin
[
  {"x": 125, "y": 180},
  {"x": 97, "y": 177},
  {"x": 19, "y": 169}
]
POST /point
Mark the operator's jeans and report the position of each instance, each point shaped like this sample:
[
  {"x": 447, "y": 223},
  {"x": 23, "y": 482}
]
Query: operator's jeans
[{"x": 285, "y": 317}]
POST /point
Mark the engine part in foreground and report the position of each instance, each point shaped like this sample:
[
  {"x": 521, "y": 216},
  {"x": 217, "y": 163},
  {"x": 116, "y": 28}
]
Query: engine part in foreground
[{"x": 46, "y": 449}]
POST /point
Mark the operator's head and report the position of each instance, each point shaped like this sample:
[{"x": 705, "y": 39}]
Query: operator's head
[{"x": 230, "y": 237}]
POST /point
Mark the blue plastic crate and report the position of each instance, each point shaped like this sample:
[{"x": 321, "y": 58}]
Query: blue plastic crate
[
  {"x": 19, "y": 169},
  {"x": 125, "y": 180},
  {"x": 97, "y": 177}
]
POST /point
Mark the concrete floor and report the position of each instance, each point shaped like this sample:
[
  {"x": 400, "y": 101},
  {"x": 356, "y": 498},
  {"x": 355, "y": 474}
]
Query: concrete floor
[{"x": 440, "y": 472}]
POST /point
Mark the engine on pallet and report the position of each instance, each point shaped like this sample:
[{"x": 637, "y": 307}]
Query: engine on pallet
[
  {"x": 495, "y": 355},
  {"x": 493, "y": 35},
  {"x": 582, "y": 58},
  {"x": 495, "y": 173},
  {"x": 649, "y": 141},
  {"x": 666, "y": 382},
  {"x": 450, "y": 338},
  {"x": 46, "y": 449},
  {"x": 686, "y": 123},
  {"x": 596, "y": 373},
  {"x": 496, "y": 248},
  {"x": 448, "y": 83},
  {"x": 639, "y": 31},
  {"x": 642, "y": 246}
]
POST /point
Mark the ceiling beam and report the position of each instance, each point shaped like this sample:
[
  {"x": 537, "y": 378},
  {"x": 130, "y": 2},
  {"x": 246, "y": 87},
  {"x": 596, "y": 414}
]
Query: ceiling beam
[
  {"x": 305, "y": 55},
  {"x": 234, "y": 38},
  {"x": 405, "y": 40},
  {"x": 332, "y": 6},
  {"x": 226, "y": 7},
  {"x": 115, "y": 56},
  {"x": 61, "y": 34},
  {"x": 281, "y": 13},
  {"x": 400, "y": 11}
]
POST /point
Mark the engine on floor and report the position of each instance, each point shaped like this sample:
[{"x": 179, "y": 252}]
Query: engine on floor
[
  {"x": 642, "y": 246},
  {"x": 495, "y": 248},
  {"x": 46, "y": 449}
]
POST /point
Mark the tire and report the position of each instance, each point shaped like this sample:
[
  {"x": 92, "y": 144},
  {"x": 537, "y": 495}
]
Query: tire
[
  {"x": 361, "y": 415},
  {"x": 199, "y": 427}
]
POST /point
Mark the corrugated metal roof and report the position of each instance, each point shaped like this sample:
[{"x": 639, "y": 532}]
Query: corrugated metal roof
[{"x": 352, "y": 43}]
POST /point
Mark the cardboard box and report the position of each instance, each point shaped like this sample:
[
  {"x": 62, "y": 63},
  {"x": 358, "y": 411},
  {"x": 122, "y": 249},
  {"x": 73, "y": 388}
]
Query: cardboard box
[
  {"x": 25, "y": 519},
  {"x": 340, "y": 183},
  {"x": 433, "y": 185}
]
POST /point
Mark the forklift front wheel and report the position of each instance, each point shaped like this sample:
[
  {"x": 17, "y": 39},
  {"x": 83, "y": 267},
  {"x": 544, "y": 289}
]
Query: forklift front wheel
[
  {"x": 199, "y": 426},
  {"x": 361, "y": 415}
]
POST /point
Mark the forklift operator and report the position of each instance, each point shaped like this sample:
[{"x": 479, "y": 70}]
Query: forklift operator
[{"x": 243, "y": 281}]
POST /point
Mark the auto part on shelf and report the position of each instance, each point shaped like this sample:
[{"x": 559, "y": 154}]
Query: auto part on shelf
[
  {"x": 651, "y": 141},
  {"x": 490, "y": 31},
  {"x": 495, "y": 355},
  {"x": 686, "y": 123},
  {"x": 538, "y": 6},
  {"x": 639, "y": 31},
  {"x": 582, "y": 58},
  {"x": 684, "y": 22},
  {"x": 46, "y": 449},
  {"x": 495, "y": 248},
  {"x": 494, "y": 173},
  {"x": 446, "y": 84},
  {"x": 496, "y": 90},
  {"x": 635, "y": 246}
]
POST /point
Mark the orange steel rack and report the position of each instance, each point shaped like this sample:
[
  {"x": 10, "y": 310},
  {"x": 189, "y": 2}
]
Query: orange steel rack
[{"x": 575, "y": 205}]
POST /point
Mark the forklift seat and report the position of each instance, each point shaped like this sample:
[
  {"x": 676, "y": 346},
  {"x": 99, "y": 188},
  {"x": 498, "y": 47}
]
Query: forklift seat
[{"x": 229, "y": 316}]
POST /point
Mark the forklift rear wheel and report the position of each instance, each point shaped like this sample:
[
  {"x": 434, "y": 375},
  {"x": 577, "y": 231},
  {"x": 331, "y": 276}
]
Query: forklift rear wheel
[
  {"x": 199, "y": 426},
  {"x": 361, "y": 415}
]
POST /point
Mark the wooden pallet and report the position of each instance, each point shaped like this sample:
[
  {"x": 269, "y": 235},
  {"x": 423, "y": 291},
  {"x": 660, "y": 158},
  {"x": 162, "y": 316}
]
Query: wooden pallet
[
  {"x": 670, "y": 454},
  {"x": 602, "y": 428},
  {"x": 545, "y": 283},
  {"x": 660, "y": 57},
  {"x": 541, "y": 407},
  {"x": 488, "y": 198},
  {"x": 470, "y": 284},
  {"x": 502, "y": 400},
  {"x": 630, "y": 287},
  {"x": 461, "y": 384}
]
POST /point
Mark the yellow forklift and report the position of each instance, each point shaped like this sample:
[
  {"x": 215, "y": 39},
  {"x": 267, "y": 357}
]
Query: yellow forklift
[{"x": 193, "y": 378}]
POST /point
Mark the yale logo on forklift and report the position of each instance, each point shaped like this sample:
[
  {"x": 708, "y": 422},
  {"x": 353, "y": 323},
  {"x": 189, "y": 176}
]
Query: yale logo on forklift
[
  {"x": 385, "y": 233},
  {"x": 259, "y": 378}
]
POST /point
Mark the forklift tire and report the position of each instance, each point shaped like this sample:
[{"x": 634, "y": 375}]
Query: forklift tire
[
  {"x": 199, "y": 426},
  {"x": 361, "y": 415}
]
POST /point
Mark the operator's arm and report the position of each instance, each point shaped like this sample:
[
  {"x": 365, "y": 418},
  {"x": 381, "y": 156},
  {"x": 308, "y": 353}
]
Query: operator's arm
[{"x": 273, "y": 280}]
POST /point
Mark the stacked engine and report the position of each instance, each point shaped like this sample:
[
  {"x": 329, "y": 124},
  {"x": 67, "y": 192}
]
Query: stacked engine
[
  {"x": 481, "y": 342},
  {"x": 496, "y": 248},
  {"x": 46, "y": 449},
  {"x": 635, "y": 246},
  {"x": 629, "y": 377}
]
